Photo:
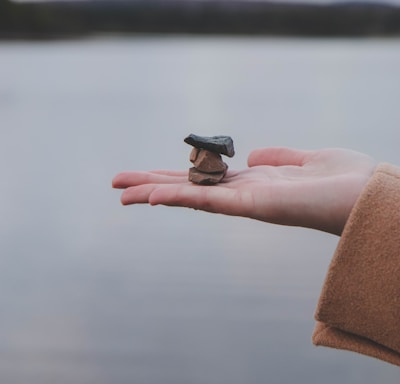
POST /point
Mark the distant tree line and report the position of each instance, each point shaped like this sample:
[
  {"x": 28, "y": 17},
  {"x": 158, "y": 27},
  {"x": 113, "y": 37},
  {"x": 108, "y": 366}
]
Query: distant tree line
[{"x": 66, "y": 19}]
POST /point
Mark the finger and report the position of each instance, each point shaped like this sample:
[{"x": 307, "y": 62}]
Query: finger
[
  {"x": 138, "y": 194},
  {"x": 216, "y": 199},
  {"x": 169, "y": 172},
  {"x": 277, "y": 156},
  {"x": 129, "y": 179}
]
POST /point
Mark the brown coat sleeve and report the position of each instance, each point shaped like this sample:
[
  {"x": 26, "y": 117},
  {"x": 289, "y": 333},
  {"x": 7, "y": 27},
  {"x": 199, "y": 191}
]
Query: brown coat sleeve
[{"x": 359, "y": 306}]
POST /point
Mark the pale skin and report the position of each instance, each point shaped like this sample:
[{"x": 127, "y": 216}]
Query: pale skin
[{"x": 313, "y": 189}]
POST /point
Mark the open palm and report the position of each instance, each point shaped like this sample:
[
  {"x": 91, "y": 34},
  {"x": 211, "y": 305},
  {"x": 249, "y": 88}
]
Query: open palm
[{"x": 315, "y": 189}]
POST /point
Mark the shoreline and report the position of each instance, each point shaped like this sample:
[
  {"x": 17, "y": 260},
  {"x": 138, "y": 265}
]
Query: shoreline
[{"x": 66, "y": 20}]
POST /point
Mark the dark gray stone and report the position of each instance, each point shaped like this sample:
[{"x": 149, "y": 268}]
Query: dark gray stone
[{"x": 218, "y": 144}]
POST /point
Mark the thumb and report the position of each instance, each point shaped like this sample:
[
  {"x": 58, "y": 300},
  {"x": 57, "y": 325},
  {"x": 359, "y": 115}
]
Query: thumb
[{"x": 277, "y": 156}]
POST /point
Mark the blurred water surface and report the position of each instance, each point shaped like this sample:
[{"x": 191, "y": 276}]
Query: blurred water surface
[{"x": 93, "y": 292}]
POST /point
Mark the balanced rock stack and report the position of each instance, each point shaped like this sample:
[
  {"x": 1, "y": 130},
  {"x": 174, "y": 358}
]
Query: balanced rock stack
[{"x": 209, "y": 167}]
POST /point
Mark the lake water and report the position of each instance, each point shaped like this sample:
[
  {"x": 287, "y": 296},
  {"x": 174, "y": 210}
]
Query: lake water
[{"x": 93, "y": 292}]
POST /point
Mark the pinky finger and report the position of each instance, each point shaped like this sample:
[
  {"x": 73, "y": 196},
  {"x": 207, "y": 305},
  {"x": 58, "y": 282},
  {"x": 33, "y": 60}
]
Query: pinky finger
[
  {"x": 206, "y": 198},
  {"x": 138, "y": 194}
]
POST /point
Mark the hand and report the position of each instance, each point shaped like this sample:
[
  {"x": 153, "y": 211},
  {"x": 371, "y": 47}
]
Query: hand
[{"x": 314, "y": 189}]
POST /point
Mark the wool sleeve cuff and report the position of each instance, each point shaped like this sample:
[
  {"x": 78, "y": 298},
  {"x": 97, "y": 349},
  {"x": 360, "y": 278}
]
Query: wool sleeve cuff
[{"x": 359, "y": 306}]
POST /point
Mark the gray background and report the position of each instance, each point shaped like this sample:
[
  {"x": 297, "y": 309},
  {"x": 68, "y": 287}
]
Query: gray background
[{"x": 93, "y": 292}]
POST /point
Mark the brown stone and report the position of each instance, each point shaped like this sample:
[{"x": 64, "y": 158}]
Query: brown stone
[
  {"x": 209, "y": 162},
  {"x": 193, "y": 154},
  {"x": 202, "y": 178}
]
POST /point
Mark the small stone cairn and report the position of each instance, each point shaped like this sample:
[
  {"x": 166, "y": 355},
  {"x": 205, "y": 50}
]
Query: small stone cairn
[{"x": 209, "y": 168}]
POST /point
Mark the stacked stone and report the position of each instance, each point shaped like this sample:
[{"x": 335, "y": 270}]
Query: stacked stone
[{"x": 209, "y": 168}]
